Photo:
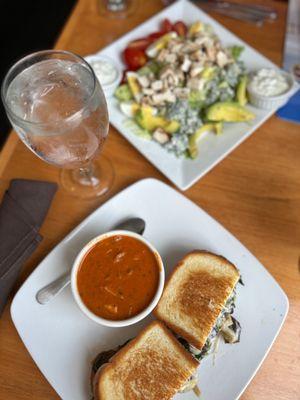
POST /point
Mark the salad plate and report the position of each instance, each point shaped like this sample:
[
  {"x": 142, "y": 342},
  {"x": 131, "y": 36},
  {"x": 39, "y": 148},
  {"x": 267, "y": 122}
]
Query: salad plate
[
  {"x": 212, "y": 148},
  {"x": 63, "y": 341}
]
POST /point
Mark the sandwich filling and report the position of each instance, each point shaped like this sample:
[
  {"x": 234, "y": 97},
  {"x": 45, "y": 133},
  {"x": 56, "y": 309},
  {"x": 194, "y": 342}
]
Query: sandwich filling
[
  {"x": 225, "y": 326},
  {"x": 190, "y": 384},
  {"x": 99, "y": 362}
]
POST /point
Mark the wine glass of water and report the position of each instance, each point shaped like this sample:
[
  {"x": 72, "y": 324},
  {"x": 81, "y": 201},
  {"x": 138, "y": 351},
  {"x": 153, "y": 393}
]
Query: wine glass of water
[{"x": 56, "y": 105}]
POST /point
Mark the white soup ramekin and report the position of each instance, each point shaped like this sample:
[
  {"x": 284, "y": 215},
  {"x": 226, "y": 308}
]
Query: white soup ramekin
[{"x": 135, "y": 318}]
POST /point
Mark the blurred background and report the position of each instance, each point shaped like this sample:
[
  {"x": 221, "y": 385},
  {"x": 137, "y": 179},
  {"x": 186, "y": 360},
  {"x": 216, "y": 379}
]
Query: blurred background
[
  {"x": 31, "y": 25},
  {"x": 28, "y": 26}
]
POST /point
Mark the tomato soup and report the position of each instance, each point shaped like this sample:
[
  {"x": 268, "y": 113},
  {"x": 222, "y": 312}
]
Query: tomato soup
[{"x": 118, "y": 277}]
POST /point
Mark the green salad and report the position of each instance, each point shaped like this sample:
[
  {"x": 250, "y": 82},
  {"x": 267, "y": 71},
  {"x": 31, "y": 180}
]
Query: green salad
[{"x": 190, "y": 84}]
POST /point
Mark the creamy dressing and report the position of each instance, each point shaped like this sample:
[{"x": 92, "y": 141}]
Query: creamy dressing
[
  {"x": 269, "y": 82},
  {"x": 105, "y": 71}
]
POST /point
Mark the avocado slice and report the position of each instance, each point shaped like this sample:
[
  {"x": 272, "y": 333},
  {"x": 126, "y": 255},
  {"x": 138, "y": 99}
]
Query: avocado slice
[
  {"x": 195, "y": 28},
  {"x": 172, "y": 126},
  {"x": 193, "y": 139},
  {"x": 241, "y": 91},
  {"x": 208, "y": 73},
  {"x": 236, "y": 51},
  {"x": 228, "y": 111},
  {"x": 152, "y": 67},
  {"x": 218, "y": 128},
  {"x": 123, "y": 93},
  {"x": 136, "y": 129},
  {"x": 146, "y": 120},
  {"x": 196, "y": 99}
]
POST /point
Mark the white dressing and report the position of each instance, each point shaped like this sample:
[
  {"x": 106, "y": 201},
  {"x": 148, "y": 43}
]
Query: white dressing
[
  {"x": 269, "y": 83},
  {"x": 105, "y": 71}
]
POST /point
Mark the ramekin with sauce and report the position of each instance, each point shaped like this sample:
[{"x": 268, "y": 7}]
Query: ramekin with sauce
[
  {"x": 107, "y": 72},
  {"x": 270, "y": 88},
  {"x": 117, "y": 279}
]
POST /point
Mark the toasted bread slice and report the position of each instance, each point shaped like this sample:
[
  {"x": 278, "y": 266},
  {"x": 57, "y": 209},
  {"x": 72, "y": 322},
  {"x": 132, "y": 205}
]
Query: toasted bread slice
[
  {"x": 195, "y": 294},
  {"x": 153, "y": 366}
]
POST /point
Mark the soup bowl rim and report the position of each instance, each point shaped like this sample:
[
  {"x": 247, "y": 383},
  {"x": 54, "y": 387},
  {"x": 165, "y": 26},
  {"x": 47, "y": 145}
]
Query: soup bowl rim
[{"x": 123, "y": 322}]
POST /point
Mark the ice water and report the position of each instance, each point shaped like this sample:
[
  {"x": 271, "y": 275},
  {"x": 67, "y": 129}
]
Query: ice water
[{"x": 58, "y": 113}]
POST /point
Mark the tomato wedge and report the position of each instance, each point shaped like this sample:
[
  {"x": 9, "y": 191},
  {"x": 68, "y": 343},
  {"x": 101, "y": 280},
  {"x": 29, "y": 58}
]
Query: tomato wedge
[
  {"x": 134, "y": 58},
  {"x": 166, "y": 26},
  {"x": 156, "y": 35},
  {"x": 180, "y": 28},
  {"x": 140, "y": 44}
]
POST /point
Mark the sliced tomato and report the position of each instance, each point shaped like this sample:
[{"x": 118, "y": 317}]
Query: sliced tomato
[
  {"x": 140, "y": 44},
  {"x": 180, "y": 28},
  {"x": 166, "y": 26},
  {"x": 134, "y": 58},
  {"x": 156, "y": 35}
]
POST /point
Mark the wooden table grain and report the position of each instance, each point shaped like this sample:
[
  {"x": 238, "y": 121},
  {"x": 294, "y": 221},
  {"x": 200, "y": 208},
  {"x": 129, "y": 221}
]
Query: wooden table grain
[{"x": 254, "y": 192}]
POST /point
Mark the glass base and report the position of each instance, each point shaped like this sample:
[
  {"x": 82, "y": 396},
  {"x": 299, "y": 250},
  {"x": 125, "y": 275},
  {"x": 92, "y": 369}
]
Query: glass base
[
  {"x": 117, "y": 8},
  {"x": 88, "y": 183}
]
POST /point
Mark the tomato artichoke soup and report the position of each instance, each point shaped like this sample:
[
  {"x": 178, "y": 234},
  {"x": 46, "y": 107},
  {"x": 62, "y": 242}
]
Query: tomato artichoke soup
[{"x": 118, "y": 277}]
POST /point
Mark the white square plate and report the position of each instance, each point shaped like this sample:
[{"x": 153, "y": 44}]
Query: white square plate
[
  {"x": 63, "y": 342},
  {"x": 212, "y": 149}
]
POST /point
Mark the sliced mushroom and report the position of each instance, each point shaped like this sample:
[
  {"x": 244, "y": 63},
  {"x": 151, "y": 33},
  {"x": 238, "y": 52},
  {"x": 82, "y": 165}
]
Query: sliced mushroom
[
  {"x": 231, "y": 330},
  {"x": 102, "y": 358}
]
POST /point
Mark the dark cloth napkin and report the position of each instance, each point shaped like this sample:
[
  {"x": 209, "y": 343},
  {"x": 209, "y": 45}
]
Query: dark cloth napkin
[{"x": 22, "y": 211}]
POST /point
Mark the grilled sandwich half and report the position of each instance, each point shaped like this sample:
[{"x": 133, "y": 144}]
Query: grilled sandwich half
[
  {"x": 198, "y": 301},
  {"x": 153, "y": 366}
]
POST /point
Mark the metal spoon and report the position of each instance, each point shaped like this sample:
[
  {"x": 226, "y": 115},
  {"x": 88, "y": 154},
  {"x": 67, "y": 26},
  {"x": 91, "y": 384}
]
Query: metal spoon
[{"x": 51, "y": 290}]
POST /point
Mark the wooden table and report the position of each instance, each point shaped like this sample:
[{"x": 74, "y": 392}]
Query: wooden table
[{"x": 254, "y": 192}]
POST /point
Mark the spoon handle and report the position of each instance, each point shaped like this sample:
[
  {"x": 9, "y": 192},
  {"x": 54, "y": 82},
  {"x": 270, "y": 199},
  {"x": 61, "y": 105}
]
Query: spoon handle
[{"x": 53, "y": 289}]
